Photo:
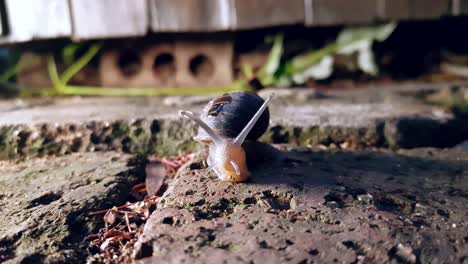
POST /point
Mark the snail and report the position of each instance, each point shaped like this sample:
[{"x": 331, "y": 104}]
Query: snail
[{"x": 226, "y": 122}]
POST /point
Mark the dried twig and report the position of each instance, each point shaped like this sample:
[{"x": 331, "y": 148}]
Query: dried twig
[
  {"x": 151, "y": 199},
  {"x": 128, "y": 222}
]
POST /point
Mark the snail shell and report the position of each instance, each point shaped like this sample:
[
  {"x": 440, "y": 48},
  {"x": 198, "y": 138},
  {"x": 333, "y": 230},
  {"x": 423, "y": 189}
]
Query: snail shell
[{"x": 228, "y": 114}]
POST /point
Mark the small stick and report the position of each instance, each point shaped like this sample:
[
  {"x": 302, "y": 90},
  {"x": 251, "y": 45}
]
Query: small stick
[
  {"x": 128, "y": 222},
  {"x": 138, "y": 186}
]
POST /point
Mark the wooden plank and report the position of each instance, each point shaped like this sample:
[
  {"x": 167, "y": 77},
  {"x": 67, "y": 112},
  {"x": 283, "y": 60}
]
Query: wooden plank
[
  {"x": 264, "y": 13},
  {"x": 109, "y": 18},
  {"x": 3, "y": 19},
  {"x": 39, "y": 19},
  {"x": 2, "y": 25},
  {"x": 191, "y": 16},
  {"x": 463, "y": 7},
  {"x": 395, "y": 9},
  {"x": 334, "y": 12},
  {"x": 423, "y": 9}
]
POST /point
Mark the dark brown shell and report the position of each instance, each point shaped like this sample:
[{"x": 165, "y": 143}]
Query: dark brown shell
[{"x": 230, "y": 113}]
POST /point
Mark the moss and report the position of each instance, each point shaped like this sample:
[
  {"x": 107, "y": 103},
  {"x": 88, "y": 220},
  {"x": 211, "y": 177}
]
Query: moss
[
  {"x": 9, "y": 141},
  {"x": 175, "y": 136},
  {"x": 313, "y": 136}
]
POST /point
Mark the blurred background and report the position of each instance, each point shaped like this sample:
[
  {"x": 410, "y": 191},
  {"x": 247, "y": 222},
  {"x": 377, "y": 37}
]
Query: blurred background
[{"x": 158, "y": 47}]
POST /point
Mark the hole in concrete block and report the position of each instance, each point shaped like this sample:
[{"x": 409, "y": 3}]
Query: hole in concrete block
[
  {"x": 129, "y": 63},
  {"x": 164, "y": 66},
  {"x": 202, "y": 67}
]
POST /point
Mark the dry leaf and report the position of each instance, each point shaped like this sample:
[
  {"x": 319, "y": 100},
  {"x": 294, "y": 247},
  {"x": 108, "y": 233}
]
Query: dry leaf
[{"x": 155, "y": 174}]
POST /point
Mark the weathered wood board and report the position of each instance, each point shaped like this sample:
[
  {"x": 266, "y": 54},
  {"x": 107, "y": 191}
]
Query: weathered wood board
[
  {"x": 3, "y": 19},
  {"x": 191, "y": 16},
  {"x": 423, "y": 9},
  {"x": 26, "y": 20},
  {"x": 263, "y": 13},
  {"x": 330, "y": 12},
  {"x": 394, "y": 9},
  {"x": 38, "y": 19},
  {"x": 109, "y": 18},
  {"x": 463, "y": 7}
]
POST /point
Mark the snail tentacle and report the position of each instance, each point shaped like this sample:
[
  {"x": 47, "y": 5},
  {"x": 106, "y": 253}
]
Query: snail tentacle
[
  {"x": 236, "y": 168},
  {"x": 243, "y": 134},
  {"x": 213, "y": 135},
  {"x": 208, "y": 170}
]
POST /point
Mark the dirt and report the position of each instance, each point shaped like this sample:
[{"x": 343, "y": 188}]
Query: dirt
[{"x": 313, "y": 206}]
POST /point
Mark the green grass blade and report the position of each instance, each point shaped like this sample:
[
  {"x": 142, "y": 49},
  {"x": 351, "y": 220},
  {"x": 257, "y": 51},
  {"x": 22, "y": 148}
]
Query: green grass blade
[{"x": 73, "y": 69}]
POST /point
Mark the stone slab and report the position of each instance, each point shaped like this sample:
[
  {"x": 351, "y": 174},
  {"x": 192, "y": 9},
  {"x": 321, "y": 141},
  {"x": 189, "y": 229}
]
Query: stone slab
[
  {"x": 317, "y": 207},
  {"x": 45, "y": 202},
  {"x": 391, "y": 116}
]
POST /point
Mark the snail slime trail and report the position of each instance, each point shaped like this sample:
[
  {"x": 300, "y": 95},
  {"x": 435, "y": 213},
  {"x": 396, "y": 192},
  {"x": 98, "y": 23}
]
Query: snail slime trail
[{"x": 226, "y": 122}]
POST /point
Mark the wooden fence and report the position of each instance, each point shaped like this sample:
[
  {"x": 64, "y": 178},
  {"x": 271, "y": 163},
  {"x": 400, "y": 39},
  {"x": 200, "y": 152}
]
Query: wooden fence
[{"x": 26, "y": 20}]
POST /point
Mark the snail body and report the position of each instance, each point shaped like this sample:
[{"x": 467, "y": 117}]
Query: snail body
[{"x": 226, "y": 156}]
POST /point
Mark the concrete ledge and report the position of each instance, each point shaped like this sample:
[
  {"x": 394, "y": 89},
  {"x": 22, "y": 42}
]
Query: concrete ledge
[
  {"x": 45, "y": 204},
  {"x": 317, "y": 206},
  {"x": 382, "y": 117}
]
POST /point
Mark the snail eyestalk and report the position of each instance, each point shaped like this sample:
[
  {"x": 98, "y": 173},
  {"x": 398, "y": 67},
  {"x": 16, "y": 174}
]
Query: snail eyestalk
[
  {"x": 243, "y": 134},
  {"x": 215, "y": 137}
]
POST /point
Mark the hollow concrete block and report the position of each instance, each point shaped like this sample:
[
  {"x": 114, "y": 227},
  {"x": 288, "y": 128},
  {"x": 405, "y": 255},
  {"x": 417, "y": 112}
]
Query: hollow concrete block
[
  {"x": 137, "y": 68},
  {"x": 34, "y": 72},
  {"x": 204, "y": 63}
]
